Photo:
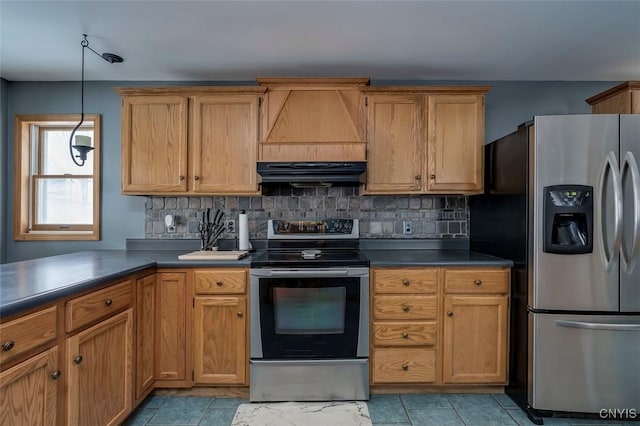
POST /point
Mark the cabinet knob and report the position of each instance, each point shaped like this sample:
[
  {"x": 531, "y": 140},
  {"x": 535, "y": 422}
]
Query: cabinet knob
[
  {"x": 432, "y": 176},
  {"x": 108, "y": 302},
  {"x": 8, "y": 345},
  {"x": 405, "y": 308},
  {"x": 196, "y": 177},
  {"x": 240, "y": 314},
  {"x": 181, "y": 177},
  {"x": 405, "y": 282},
  {"x": 449, "y": 314},
  {"x": 219, "y": 283},
  {"x": 477, "y": 282},
  {"x": 405, "y": 367},
  {"x": 418, "y": 177},
  {"x": 78, "y": 359},
  {"x": 56, "y": 375},
  {"x": 405, "y": 335}
]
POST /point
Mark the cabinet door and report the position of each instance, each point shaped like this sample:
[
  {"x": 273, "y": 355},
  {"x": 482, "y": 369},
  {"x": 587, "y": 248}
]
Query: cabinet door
[
  {"x": 225, "y": 144},
  {"x": 171, "y": 326},
  {"x": 220, "y": 340},
  {"x": 154, "y": 144},
  {"x": 99, "y": 364},
  {"x": 475, "y": 339},
  {"x": 455, "y": 141},
  {"x": 145, "y": 330},
  {"x": 395, "y": 153},
  {"x": 28, "y": 391}
]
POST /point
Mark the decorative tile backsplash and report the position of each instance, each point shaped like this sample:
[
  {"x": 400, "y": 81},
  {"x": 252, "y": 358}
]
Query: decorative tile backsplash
[{"x": 431, "y": 216}]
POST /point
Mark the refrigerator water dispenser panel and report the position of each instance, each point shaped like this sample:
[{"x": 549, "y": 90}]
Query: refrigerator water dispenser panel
[{"x": 568, "y": 219}]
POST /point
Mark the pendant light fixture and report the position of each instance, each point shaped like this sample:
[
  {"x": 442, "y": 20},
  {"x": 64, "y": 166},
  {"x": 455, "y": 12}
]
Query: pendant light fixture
[{"x": 83, "y": 143}]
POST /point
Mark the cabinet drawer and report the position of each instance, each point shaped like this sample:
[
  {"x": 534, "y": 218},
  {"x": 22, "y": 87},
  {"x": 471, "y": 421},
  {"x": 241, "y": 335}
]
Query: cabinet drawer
[
  {"x": 404, "y": 365},
  {"x": 476, "y": 281},
  {"x": 86, "y": 309},
  {"x": 27, "y": 332},
  {"x": 405, "y": 280},
  {"x": 404, "y": 307},
  {"x": 227, "y": 281},
  {"x": 404, "y": 334}
]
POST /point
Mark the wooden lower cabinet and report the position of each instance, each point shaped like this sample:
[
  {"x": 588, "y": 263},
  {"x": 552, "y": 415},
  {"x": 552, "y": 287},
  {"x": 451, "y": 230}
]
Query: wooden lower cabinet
[
  {"x": 443, "y": 326},
  {"x": 145, "y": 333},
  {"x": 220, "y": 321},
  {"x": 100, "y": 370},
  {"x": 219, "y": 337},
  {"x": 29, "y": 391},
  {"x": 475, "y": 339},
  {"x": 171, "y": 330}
]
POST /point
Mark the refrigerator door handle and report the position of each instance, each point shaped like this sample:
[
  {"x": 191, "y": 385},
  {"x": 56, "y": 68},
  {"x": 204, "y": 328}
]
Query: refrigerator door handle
[
  {"x": 611, "y": 163},
  {"x": 599, "y": 325},
  {"x": 629, "y": 261}
]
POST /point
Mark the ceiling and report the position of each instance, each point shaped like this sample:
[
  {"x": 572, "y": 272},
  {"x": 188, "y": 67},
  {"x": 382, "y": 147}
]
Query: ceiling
[{"x": 165, "y": 40}]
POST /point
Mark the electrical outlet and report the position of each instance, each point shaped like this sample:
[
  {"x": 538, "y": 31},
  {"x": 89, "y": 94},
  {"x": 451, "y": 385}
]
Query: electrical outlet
[
  {"x": 231, "y": 226},
  {"x": 406, "y": 227}
]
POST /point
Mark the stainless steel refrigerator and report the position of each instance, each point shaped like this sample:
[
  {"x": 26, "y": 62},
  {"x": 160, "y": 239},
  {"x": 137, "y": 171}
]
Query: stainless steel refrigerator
[{"x": 562, "y": 200}]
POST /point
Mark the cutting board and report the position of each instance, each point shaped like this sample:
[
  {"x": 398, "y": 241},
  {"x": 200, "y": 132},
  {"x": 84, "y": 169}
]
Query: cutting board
[{"x": 214, "y": 255}]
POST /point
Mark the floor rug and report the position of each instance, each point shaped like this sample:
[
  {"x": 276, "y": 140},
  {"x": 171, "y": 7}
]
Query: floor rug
[{"x": 303, "y": 414}]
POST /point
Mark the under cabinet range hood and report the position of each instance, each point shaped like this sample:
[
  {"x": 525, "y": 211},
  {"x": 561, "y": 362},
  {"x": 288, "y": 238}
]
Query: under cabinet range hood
[{"x": 312, "y": 173}]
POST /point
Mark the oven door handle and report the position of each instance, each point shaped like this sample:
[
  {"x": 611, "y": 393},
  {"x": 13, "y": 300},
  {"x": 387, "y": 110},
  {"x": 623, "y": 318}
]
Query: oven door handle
[{"x": 302, "y": 273}]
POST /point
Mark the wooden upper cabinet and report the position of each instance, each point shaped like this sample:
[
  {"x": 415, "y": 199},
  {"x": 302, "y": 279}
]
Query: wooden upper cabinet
[
  {"x": 455, "y": 126},
  {"x": 190, "y": 140},
  {"x": 622, "y": 99},
  {"x": 154, "y": 144},
  {"x": 225, "y": 143},
  {"x": 425, "y": 139},
  {"x": 396, "y": 143},
  {"x": 312, "y": 119}
]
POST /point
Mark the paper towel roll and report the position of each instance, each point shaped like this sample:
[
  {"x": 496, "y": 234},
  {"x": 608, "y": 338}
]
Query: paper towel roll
[{"x": 243, "y": 231}]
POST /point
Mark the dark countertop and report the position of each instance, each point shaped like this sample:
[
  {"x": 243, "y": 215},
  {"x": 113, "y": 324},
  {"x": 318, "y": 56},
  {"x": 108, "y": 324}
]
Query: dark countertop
[
  {"x": 30, "y": 283},
  {"x": 400, "y": 258}
]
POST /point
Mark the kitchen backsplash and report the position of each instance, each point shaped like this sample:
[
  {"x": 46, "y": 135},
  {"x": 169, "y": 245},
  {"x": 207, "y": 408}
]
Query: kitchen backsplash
[{"x": 380, "y": 216}]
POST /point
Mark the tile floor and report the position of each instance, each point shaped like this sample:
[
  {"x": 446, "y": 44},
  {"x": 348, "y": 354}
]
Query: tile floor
[{"x": 385, "y": 410}]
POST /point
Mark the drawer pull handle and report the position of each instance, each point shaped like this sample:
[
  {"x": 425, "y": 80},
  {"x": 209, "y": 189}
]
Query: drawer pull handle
[
  {"x": 405, "y": 335},
  {"x": 56, "y": 375},
  {"x": 181, "y": 177},
  {"x": 449, "y": 314},
  {"x": 433, "y": 176},
  {"x": 240, "y": 314},
  {"x": 405, "y": 367},
  {"x": 108, "y": 302},
  {"x": 418, "y": 177},
  {"x": 405, "y": 308},
  {"x": 8, "y": 346},
  {"x": 196, "y": 177},
  {"x": 477, "y": 282},
  {"x": 405, "y": 282},
  {"x": 219, "y": 283},
  {"x": 78, "y": 359}
]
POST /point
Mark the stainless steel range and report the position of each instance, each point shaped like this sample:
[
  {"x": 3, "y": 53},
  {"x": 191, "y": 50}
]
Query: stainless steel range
[{"x": 310, "y": 313}]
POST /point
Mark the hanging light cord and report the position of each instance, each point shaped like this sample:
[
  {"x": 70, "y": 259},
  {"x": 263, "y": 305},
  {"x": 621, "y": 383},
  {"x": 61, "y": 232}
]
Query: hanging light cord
[{"x": 84, "y": 43}]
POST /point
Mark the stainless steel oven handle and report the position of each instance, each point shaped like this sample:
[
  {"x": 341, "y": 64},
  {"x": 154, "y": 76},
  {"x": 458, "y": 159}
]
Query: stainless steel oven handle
[
  {"x": 309, "y": 273},
  {"x": 599, "y": 326}
]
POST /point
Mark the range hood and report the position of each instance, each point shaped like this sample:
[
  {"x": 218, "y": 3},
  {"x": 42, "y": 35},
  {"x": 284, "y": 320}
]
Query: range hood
[{"x": 312, "y": 173}]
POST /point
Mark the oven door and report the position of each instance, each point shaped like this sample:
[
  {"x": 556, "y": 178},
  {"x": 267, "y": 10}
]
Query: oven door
[{"x": 311, "y": 313}]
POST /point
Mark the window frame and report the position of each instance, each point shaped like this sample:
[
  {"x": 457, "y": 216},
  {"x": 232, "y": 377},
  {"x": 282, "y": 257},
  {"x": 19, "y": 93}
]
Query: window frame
[{"x": 25, "y": 227}]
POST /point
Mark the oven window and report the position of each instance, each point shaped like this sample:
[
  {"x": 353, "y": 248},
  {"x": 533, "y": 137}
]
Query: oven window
[
  {"x": 309, "y": 317},
  {"x": 309, "y": 310}
]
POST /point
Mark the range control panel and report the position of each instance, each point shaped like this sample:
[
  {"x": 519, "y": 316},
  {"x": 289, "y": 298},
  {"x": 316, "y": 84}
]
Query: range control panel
[{"x": 342, "y": 228}]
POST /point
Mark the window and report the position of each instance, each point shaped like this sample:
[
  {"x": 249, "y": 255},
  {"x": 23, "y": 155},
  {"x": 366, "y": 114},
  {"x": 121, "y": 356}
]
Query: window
[{"x": 55, "y": 198}]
